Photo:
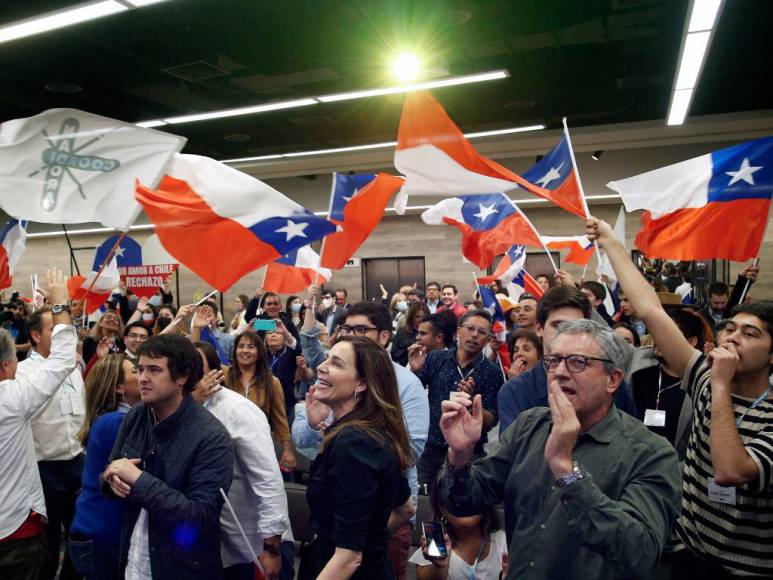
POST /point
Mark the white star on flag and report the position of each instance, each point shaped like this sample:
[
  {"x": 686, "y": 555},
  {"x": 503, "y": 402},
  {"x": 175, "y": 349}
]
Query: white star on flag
[
  {"x": 551, "y": 175},
  {"x": 347, "y": 199},
  {"x": 745, "y": 172},
  {"x": 119, "y": 252},
  {"x": 485, "y": 211},
  {"x": 293, "y": 230}
]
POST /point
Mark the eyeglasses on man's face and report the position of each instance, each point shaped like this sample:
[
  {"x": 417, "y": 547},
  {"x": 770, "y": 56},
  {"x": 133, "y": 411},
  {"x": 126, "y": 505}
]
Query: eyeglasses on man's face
[
  {"x": 359, "y": 330},
  {"x": 575, "y": 363}
]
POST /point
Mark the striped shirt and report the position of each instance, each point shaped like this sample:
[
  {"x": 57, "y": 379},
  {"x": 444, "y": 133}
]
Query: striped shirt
[{"x": 740, "y": 536}]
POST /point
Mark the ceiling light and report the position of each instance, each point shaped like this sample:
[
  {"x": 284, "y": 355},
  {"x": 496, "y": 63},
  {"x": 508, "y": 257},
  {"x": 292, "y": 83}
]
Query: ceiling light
[
  {"x": 240, "y": 111},
  {"x": 64, "y": 88},
  {"x": 448, "y": 82},
  {"x": 406, "y": 67},
  {"x": 59, "y": 19},
  {"x": 375, "y": 145},
  {"x": 150, "y": 124},
  {"x": 597, "y": 155},
  {"x": 141, "y": 3},
  {"x": 695, "y": 45},
  {"x": 692, "y": 58},
  {"x": 704, "y": 13},
  {"x": 680, "y": 103}
]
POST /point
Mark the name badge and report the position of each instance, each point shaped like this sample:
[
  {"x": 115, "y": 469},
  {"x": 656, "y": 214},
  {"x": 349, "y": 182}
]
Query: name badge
[
  {"x": 65, "y": 406},
  {"x": 76, "y": 403},
  {"x": 655, "y": 418},
  {"x": 721, "y": 494}
]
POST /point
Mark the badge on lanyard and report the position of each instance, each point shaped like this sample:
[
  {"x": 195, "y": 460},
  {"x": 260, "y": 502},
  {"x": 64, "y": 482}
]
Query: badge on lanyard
[
  {"x": 655, "y": 418},
  {"x": 720, "y": 494}
]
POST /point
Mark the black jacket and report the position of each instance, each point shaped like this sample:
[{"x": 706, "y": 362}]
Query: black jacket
[{"x": 186, "y": 459}]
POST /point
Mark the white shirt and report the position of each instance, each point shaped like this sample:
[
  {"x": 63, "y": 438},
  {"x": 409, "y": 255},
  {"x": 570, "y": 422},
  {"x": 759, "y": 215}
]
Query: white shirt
[
  {"x": 486, "y": 569},
  {"x": 56, "y": 425},
  {"x": 257, "y": 493},
  {"x": 138, "y": 559},
  {"x": 20, "y": 489}
]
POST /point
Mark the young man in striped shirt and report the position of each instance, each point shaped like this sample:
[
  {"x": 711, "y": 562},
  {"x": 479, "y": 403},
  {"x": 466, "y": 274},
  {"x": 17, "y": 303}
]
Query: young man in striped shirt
[{"x": 727, "y": 489}]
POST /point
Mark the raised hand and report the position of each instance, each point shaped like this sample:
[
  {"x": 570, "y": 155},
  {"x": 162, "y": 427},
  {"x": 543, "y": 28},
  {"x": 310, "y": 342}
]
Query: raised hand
[
  {"x": 462, "y": 429},
  {"x": 316, "y": 412},
  {"x": 103, "y": 348},
  {"x": 208, "y": 386},
  {"x": 56, "y": 287},
  {"x": 202, "y": 316},
  {"x": 563, "y": 435},
  {"x": 417, "y": 356},
  {"x": 600, "y": 231}
]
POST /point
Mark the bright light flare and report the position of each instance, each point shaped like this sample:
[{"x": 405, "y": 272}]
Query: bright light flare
[{"x": 406, "y": 67}]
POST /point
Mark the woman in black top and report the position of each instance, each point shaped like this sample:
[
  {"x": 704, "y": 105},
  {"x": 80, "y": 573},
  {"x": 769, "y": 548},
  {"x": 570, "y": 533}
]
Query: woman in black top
[
  {"x": 406, "y": 335},
  {"x": 357, "y": 492}
]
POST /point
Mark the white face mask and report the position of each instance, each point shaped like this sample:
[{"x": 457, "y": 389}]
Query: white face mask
[
  {"x": 155, "y": 300},
  {"x": 295, "y": 307},
  {"x": 147, "y": 316},
  {"x": 327, "y": 302},
  {"x": 402, "y": 306}
]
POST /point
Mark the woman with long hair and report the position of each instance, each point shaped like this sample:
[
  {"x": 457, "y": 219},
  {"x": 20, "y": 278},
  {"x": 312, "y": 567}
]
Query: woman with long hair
[
  {"x": 406, "y": 335},
  {"x": 251, "y": 376},
  {"x": 111, "y": 390},
  {"x": 108, "y": 326},
  {"x": 357, "y": 491},
  {"x": 476, "y": 547},
  {"x": 237, "y": 322}
]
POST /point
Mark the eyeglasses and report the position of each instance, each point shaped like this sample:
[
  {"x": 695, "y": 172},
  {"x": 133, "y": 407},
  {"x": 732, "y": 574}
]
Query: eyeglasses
[
  {"x": 575, "y": 363},
  {"x": 475, "y": 330},
  {"x": 359, "y": 330}
]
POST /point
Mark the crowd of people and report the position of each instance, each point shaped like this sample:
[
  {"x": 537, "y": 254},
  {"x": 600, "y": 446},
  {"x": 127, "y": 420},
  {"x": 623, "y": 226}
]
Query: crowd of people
[{"x": 622, "y": 442}]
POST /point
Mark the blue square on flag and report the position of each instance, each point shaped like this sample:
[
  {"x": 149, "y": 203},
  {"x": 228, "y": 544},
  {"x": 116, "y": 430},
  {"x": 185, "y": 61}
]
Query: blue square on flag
[{"x": 344, "y": 188}]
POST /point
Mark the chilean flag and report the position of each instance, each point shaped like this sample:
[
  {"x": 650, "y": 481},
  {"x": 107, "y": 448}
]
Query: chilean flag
[
  {"x": 489, "y": 223},
  {"x": 295, "y": 271},
  {"x": 345, "y": 187},
  {"x": 360, "y": 215},
  {"x": 108, "y": 280},
  {"x": 490, "y": 303},
  {"x": 556, "y": 174},
  {"x": 712, "y": 206},
  {"x": 580, "y": 247},
  {"x": 511, "y": 272},
  {"x": 222, "y": 223},
  {"x": 13, "y": 239},
  {"x": 437, "y": 159}
]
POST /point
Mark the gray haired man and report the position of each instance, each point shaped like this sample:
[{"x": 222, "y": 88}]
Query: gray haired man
[{"x": 589, "y": 492}]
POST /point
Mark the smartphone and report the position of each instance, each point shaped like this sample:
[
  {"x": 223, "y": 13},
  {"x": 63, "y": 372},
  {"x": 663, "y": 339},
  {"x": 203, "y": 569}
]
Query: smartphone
[
  {"x": 436, "y": 544},
  {"x": 263, "y": 324}
]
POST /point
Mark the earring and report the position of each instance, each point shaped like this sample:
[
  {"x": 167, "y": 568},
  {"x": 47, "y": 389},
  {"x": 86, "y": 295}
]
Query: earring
[{"x": 356, "y": 395}]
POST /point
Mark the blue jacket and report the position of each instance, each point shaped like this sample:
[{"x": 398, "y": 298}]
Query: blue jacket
[
  {"x": 186, "y": 459},
  {"x": 95, "y": 515},
  {"x": 530, "y": 390}
]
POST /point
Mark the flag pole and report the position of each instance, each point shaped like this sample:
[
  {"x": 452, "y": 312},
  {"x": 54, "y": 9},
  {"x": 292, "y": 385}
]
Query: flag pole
[
  {"x": 496, "y": 353},
  {"x": 255, "y": 558},
  {"x": 748, "y": 282},
  {"x": 106, "y": 261},
  {"x": 72, "y": 253},
  {"x": 577, "y": 172},
  {"x": 539, "y": 237},
  {"x": 329, "y": 213}
]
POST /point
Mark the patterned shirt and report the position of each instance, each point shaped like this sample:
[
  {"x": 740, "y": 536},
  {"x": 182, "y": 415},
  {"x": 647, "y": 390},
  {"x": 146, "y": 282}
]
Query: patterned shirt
[
  {"x": 441, "y": 374},
  {"x": 739, "y": 536}
]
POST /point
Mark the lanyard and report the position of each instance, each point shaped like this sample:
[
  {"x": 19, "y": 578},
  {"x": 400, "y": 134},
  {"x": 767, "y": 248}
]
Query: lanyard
[
  {"x": 471, "y": 568},
  {"x": 756, "y": 402},
  {"x": 661, "y": 390}
]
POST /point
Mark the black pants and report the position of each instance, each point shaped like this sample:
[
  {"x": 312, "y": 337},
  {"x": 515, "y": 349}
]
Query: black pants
[
  {"x": 61, "y": 483},
  {"x": 25, "y": 559}
]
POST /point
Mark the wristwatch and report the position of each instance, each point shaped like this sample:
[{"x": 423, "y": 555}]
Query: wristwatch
[
  {"x": 59, "y": 308},
  {"x": 577, "y": 474}
]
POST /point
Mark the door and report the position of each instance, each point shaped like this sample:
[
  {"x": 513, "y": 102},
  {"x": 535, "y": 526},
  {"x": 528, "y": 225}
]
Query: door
[{"x": 392, "y": 273}]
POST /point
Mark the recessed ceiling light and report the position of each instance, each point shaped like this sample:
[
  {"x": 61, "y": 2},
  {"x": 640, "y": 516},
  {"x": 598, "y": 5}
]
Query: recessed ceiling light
[
  {"x": 64, "y": 88},
  {"x": 374, "y": 146},
  {"x": 60, "y": 19},
  {"x": 447, "y": 82}
]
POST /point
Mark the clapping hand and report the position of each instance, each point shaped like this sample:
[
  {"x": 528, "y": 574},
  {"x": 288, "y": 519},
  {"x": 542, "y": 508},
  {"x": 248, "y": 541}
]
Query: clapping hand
[
  {"x": 208, "y": 386},
  {"x": 417, "y": 356},
  {"x": 563, "y": 434}
]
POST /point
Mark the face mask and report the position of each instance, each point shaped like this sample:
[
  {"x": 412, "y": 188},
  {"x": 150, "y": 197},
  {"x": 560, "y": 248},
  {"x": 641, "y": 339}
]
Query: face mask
[
  {"x": 155, "y": 300},
  {"x": 402, "y": 306},
  {"x": 147, "y": 317},
  {"x": 327, "y": 302},
  {"x": 296, "y": 307},
  {"x": 163, "y": 322}
]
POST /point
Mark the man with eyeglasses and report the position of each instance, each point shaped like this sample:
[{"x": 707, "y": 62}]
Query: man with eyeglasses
[
  {"x": 373, "y": 321},
  {"x": 465, "y": 369},
  {"x": 134, "y": 335},
  {"x": 589, "y": 492}
]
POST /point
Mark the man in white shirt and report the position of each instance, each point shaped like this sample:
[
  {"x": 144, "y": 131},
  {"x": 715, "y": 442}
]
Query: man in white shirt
[
  {"x": 23, "y": 551},
  {"x": 58, "y": 449},
  {"x": 257, "y": 493}
]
